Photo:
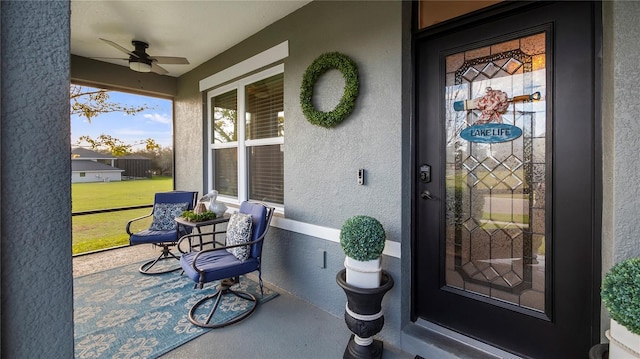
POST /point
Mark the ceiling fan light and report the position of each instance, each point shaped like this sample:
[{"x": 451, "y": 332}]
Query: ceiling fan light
[{"x": 139, "y": 66}]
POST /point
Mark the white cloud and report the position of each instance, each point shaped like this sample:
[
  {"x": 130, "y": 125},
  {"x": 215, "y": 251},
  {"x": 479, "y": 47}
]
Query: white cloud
[{"x": 159, "y": 118}]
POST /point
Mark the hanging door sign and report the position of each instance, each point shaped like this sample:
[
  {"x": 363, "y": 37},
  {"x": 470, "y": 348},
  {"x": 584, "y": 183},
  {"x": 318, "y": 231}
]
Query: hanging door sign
[
  {"x": 491, "y": 133},
  {"x": 489, "y": 127}
]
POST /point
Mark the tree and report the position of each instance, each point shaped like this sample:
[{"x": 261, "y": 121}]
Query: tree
[
  {"x": 90, "y": 103},
  {"x": 151, "y": 145},
  {"x": 116, "y": 146},
  {"x": 161, "y": 161}
]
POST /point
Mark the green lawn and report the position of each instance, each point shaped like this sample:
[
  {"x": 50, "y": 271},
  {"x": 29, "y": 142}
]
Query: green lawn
[{"x": 98, "y": 231}]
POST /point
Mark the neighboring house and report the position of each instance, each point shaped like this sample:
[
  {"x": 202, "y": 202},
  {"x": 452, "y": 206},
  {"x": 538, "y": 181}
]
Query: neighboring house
[
  {"x": 90, "y": 166},
  {"x": 91, "y": 171},
  {"x": 133, "y": 166},
  {"x": 514, "y": 282},
  {"x": 79, "y": 153}
]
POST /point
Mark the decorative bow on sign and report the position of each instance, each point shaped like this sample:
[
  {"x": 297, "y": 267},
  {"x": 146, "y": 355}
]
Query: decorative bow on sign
[
  {"x": 489, "y": 127},
  {"x": 493, "y": 104}
]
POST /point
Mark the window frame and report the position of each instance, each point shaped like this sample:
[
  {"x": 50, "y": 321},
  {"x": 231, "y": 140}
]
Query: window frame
[{"x": 242, "y": 144}]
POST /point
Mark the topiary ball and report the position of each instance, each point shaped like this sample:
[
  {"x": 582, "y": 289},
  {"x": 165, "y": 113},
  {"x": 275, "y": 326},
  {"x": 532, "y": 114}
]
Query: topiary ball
[
  {"x": 362, "y": 238},
  {"x": 621, "y": 293}
]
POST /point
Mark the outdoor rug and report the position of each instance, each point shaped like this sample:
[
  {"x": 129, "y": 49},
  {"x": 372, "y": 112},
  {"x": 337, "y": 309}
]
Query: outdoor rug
[{"x": 121, "y": 313}]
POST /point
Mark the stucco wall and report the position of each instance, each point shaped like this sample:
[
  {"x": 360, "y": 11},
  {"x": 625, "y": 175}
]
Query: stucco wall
[
  {"x": 37, "y": 298},
  {"x": 321, "y": 164},
  {"x": 625, "y": 51},
  {"x": 620, "y": 136}
]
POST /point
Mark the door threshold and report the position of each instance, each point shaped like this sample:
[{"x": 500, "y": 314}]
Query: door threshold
[{"x": 430, "y": 340}]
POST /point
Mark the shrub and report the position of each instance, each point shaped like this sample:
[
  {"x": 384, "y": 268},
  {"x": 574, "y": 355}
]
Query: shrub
[
  {"x": 621, "y": 293},
  {"x": 362, "y": 238}
]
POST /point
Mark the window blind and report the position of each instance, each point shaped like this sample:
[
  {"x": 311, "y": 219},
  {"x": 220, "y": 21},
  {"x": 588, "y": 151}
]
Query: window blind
[
  {"x": 266, "y": 170},
  {"x": 225, "y": 163},
  {"x": 265, "y": 108}
]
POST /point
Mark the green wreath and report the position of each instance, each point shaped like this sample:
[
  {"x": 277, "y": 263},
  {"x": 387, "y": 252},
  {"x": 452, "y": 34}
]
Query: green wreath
[{"x": 349, "y": 70}]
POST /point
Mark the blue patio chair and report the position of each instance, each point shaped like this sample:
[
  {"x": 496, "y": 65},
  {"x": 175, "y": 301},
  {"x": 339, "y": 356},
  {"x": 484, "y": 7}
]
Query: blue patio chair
[
  {"x": 163, "y": 230},
  {"x": 241, "y": 254}
]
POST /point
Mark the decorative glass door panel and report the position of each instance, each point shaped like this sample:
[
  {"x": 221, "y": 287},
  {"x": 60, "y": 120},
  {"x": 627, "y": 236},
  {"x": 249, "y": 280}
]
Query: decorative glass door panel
[
  {"x": 505, "y": 210},
  {"x": 496, "y": 130}
]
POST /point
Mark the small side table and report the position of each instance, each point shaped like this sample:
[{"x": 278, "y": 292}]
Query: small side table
[{"x": 180, "y": 221}]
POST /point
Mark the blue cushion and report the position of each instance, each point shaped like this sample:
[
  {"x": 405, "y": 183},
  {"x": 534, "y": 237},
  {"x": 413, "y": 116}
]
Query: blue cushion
[
  {"x": 150, "y": 236},
  {"x": 217, "y": 265},
  {"x": 259, "y": 214},
  {"x": 175, "y": 197}
]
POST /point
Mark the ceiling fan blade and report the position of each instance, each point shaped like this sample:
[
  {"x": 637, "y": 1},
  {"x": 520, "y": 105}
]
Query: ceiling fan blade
[
  {"x": 158, "y": 69},
  {"x": 110, "y": 58},
  {"x": 126, "y": 51},
  {"x": 170, "y": 60}
]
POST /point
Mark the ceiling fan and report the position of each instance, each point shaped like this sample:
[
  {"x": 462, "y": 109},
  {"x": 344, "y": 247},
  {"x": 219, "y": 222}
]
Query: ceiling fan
[{"x": 140, "y": 61}]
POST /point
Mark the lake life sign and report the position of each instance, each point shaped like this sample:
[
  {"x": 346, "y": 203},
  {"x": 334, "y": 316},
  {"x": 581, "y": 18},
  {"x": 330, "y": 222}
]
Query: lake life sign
[{"x": 491, "y": 133}]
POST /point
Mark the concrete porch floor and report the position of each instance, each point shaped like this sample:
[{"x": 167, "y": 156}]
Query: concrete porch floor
[{"x": 286, "y": 327}]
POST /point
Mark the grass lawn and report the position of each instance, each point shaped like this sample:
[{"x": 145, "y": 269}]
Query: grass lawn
[{"x": 98, "y": 231}]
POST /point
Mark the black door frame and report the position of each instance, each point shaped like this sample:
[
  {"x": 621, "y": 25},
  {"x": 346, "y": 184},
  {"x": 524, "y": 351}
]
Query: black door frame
[{"x": 470, "y": 20}]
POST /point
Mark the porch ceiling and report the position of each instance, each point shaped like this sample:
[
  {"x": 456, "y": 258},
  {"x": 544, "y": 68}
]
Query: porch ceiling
[{"x": 197, "y": 30}]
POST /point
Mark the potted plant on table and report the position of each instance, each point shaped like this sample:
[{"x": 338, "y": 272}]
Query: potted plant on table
[
  {"x": 621, "y": 296},
  {"x": 362, "y": 238}
]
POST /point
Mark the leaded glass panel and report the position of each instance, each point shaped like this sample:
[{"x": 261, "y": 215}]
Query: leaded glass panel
[{"x": 495, "y": 191}]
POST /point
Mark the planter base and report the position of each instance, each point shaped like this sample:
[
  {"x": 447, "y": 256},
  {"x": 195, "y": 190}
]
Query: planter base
[
  {"x": 599, "y": 351},
  {"x": 363, "y": 316},
  {"x": 355, "y": 351}
]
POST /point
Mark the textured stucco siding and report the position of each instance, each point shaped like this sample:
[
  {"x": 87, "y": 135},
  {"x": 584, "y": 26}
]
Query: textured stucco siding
[
  {"x": 620, "y": 136},
  {"x": 37, "y": 298},
  {"x": 321, "y": 164},
  {"x": 626, "y": 139}
]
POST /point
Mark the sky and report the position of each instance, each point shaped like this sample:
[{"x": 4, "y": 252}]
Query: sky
[{"x": 155, "y": 122}]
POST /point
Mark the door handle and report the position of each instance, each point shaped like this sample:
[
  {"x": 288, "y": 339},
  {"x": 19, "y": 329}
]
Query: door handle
[{"x": 426, "y": 194}]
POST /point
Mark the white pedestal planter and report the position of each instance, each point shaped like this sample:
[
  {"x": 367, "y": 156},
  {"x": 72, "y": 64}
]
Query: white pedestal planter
[
  {"x": 363, "y": 274},
  {"x": 623, "y": 343}
]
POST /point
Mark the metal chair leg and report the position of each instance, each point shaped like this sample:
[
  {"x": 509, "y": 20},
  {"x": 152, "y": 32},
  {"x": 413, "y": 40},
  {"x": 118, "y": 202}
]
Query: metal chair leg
[
  {"x": 224, "y": 288},
  {"x": 166, "y": 254}
]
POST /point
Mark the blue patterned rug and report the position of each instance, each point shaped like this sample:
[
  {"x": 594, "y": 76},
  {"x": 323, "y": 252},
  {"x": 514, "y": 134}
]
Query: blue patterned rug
[{"x": 121, "y": 313}]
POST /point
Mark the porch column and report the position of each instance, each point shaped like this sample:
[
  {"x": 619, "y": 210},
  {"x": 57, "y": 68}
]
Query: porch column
[{"x": 35, "y": 173}]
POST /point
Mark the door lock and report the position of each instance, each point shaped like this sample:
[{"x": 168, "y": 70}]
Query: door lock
[
  {"x": 425, "y": 173},
  {"x": 426, "y": 194}
]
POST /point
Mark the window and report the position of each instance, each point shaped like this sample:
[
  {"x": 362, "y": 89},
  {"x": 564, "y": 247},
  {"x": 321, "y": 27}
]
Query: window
[
  {"x": 247, "y": 150},
  {"x": 82, "y": 174}
]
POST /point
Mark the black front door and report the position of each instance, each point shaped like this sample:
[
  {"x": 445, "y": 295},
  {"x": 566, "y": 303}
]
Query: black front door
[{"x": 506, "y": 225}]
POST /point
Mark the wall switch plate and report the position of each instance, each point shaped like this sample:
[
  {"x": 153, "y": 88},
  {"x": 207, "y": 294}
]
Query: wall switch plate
[{"x": 361, "y": 176}]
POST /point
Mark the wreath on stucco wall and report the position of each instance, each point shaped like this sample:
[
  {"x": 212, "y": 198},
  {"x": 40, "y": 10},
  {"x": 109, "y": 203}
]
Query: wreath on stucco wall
[{"x": 324, "y": 63}]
